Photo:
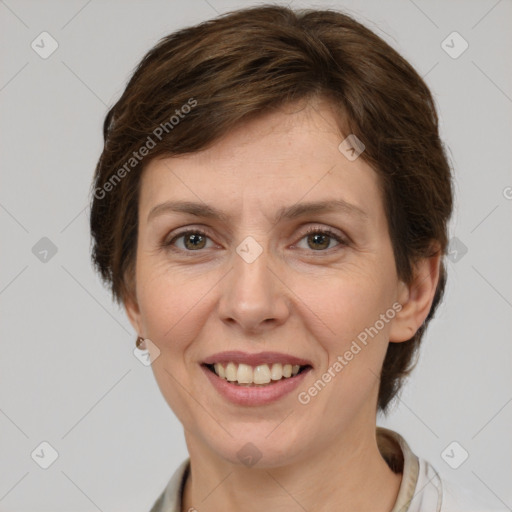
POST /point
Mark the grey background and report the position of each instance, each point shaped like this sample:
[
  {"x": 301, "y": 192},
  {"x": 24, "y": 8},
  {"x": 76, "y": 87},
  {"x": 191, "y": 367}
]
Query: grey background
[{"x": 68, "y": 375}]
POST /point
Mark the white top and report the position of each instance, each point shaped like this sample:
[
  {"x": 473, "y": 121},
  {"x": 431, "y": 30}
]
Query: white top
[{"x": 421, "y": 490}]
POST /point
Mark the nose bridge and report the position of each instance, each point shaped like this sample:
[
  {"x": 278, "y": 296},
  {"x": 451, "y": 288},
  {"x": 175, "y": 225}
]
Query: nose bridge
[
  {"x": 251, "y": 264},
  {"x": 251, "y": 294}
]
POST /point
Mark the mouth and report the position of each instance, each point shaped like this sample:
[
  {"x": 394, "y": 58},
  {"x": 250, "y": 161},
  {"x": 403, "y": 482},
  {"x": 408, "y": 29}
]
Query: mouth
[
  {"x": 261, "y": 375},
  {"x": 260, "y": 379}
]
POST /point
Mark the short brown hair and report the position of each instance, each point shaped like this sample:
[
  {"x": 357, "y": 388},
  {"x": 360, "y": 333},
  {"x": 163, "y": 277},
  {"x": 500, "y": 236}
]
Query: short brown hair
[{"x": 247, "y": 62}]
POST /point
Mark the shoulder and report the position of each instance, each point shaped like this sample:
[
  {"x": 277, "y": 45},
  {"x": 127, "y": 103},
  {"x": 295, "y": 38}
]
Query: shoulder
[
  {"x": 170, "y": 498},
  {"x": 423, "y": 488},
  {"x": 457, "y": 498},
  {"x": 452, "y": 496}
]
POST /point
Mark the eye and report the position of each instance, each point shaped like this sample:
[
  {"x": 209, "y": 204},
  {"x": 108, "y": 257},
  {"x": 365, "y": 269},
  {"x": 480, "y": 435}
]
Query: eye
[
  {"x": 193, "y": 240},
  {"x": 319, "y": 239}
]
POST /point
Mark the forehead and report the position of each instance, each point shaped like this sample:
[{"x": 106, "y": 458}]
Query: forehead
[{"x": 280, "y": 158}]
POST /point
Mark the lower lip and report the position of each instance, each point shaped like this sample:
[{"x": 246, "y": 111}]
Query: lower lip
[{"x": 254, "y": 395}]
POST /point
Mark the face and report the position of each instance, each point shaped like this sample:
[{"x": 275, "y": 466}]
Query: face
[{"x": 252, "y": 289}]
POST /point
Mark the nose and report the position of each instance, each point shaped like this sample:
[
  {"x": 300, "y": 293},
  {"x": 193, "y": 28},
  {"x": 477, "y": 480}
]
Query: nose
[{"x": 254, "y": 295}]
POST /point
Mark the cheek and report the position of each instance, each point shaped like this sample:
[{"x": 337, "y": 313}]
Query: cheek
[
  {"x": 353, "y": 334},
  {"x": 170, "y": 303},
  {"x": 172, "y": 306},
  {"x": 342, "y": 305}
]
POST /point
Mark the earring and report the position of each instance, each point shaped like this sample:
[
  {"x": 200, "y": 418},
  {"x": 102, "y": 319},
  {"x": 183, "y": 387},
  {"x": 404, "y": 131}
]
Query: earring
[{"x": 140, "y": 343}]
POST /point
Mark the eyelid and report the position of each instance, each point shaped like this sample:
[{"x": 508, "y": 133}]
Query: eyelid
[
  {"x": 342, "y": 239},
  {"x": 186, "y": 231}
]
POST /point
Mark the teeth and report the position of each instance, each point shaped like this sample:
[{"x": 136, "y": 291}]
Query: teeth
[
  {"x": 244, "y": 374},
  {"x": 277, "y": 371},
  {"x": 230, "y": 372},
  {"x": 261, "y": 374},
  {"x": 219, "y": 370}
]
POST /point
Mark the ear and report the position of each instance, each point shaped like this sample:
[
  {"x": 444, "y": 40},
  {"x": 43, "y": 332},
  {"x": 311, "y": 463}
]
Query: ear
[
  {"x": 131, "y": 307},
  {"x": 416, "y": 299}
]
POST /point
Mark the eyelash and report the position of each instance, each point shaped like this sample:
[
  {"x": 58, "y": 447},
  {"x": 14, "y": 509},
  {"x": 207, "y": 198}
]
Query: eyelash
[{"x": 311, "y": 231}]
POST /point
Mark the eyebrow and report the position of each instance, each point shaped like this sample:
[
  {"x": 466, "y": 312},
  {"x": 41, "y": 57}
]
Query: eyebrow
[{"x": 288, "y": 212}]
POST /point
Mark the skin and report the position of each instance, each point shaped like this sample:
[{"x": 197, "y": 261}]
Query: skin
[{"x": 304, "y": 296}]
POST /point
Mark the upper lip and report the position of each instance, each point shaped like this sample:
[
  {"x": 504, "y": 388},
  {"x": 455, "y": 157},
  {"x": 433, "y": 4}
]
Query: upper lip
[{"x": 255, "y": 359}]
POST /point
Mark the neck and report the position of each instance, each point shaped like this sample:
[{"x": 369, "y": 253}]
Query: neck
[{"x": 349, "y": 475}]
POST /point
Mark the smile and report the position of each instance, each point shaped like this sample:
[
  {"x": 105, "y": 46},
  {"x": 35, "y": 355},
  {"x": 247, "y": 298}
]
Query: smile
[
  {"x": 255, "y": 379},
  {"x": 260, "y": 375}
]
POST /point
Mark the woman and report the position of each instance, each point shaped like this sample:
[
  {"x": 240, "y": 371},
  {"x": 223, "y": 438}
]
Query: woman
[{"x": 271, "y": 208}]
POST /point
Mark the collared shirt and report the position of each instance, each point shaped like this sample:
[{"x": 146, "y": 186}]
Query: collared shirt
[{"x": 421, "y": 489}]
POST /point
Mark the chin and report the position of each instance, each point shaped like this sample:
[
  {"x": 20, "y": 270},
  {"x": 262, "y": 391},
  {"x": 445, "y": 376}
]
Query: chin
[{"x": 257, "y": 449}]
